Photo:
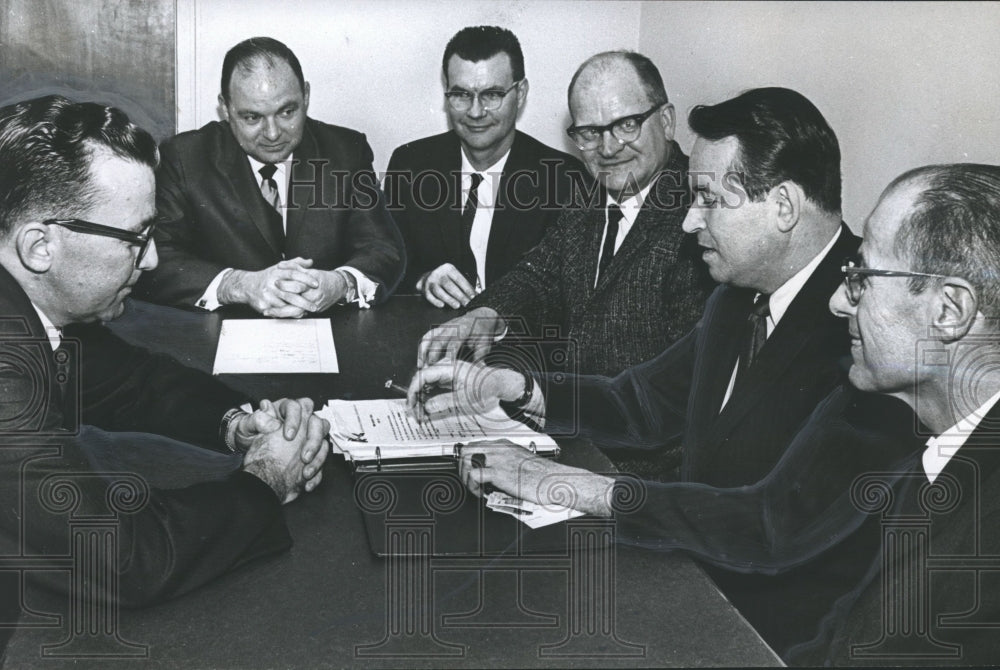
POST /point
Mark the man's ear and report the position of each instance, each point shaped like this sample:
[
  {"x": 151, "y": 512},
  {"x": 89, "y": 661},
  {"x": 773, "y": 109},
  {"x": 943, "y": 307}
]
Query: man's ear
[
  {"x": 522, "y": 93},
  {"x": 666, "y": 119},
  {"x": 787, "y": 199},
  {"x": 35, "y": 247},
  {"x": 305, "y": 96},
  {"x": 223, "y": 108},
  {"x": 956, "y": 309}
]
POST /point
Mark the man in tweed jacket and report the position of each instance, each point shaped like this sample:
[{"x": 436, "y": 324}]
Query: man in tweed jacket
[{"x": 616, "y": 275}]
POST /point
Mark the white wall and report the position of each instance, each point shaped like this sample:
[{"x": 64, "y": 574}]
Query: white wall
[
  {"x": 902, "y": 84},
  {"x": 376, "y": 65}
]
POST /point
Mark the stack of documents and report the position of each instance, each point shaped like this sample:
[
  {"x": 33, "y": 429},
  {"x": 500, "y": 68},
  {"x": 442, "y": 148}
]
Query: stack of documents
[{"x": 373, "y": 431}]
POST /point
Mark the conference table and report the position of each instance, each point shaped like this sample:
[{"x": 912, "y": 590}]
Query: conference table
[{"x": 486, "y": 592}]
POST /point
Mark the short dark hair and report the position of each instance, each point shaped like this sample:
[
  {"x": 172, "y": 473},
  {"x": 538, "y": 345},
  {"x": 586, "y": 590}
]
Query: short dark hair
[
  {"x": 478, "y": 43},
  {"x": 46, "y": 148},
  {"x": 649, "y": 75},
  {"x": 953, "y": 228},
  {"x": 245, "y": 54},
  {"x": 782, "y": 137}
]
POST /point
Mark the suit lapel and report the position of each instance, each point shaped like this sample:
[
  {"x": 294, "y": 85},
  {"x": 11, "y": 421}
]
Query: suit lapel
[
  {"x": 722, "y": 327},
  {"x": 668, "y": 186},
  {"x": 302, "y": 198},
  {"x": 449, "y": 217},
  {"x": 504, "y": 214},
  {"x": 800, "y": 324},
  {"x": 244, "y": 190}
]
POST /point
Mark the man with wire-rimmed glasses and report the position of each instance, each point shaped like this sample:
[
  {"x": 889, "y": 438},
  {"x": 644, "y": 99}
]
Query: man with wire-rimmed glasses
[
  {"x": 77, "y": 196},
  {"x": 471, "y": 201},
  {"x": 616, "y": 274}
]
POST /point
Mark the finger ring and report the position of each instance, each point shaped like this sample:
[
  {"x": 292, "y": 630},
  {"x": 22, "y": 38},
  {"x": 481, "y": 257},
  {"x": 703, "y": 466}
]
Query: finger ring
[{"x": 479, "y": 460}]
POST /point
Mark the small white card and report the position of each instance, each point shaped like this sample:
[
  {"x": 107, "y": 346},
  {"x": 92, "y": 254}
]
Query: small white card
[
  {"x": 275, "y": 346},
  {"x": 529, "y": 513}
]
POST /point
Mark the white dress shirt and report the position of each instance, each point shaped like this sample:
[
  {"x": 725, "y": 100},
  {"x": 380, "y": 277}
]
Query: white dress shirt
[
  {"x": 360, "y": 289},
  {"x": 479, "y": 239},
  {"x": 52, "y": 332},
  {"x": 940, "y": 449}
]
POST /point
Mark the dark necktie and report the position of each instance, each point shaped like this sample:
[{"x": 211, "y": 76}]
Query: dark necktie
[
  {"x": 467, "y": 265},
  {"x": 756, "y": 333},
  {"x": 608, "y": 250},
  {"x": 269, "y": 189}
]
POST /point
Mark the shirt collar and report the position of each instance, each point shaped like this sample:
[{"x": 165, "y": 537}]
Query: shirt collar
[
  {"x": 281, "y": 168},
  {"x": 940, "y": 449},
  {"x": 785, "y": 294},
  {"x": 630, "y": 206},
  {"x": 52, "y": 332},
  {"x": 489, "y": 173}
]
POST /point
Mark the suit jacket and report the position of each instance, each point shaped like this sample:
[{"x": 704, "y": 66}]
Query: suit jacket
[
  {"x": 935, "y": 599},
  {"x": 651, "y": 294},
  {"x": 679, "y": 393},
  {"x": 423, "y": 189},
  {"x": 797, "y": 531},
  {"x": 211, "y": 214},
  {"x": 202, "y": 516}
]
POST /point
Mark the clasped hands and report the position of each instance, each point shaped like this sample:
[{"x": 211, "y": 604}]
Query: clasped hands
[
  {"x": 289, "y": 289},
  {"x": 285, "y": 444}
]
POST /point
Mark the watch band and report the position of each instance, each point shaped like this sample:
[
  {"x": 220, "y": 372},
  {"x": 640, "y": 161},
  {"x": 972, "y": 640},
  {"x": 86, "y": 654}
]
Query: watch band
[{"x": 228, "y": 436}]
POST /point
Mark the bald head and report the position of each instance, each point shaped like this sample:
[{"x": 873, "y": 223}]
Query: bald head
[{"x": 620, "y": 66}]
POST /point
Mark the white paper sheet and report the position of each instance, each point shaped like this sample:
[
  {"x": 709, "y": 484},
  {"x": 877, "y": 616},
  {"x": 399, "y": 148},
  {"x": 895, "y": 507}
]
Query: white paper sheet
[{"x": 265, "y": 346}]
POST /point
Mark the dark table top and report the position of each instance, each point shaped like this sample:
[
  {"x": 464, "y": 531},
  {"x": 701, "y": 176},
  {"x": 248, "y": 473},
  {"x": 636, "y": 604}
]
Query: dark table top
[{"x": 330, "y": 602}]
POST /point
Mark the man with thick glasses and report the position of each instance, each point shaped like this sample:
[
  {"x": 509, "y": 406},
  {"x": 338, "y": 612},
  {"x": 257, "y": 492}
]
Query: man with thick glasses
[
  {"x": 270, "y": 208},
  {"x": 470, "y": 202},
  {"x": 616, "y": 274},
  {"x": 77, "y": 195}
]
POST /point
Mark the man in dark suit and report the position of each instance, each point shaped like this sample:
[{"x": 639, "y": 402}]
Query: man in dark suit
[
  {"x": 734, "y": 391},
  {"x": 923, "y": 302},
  {"x": 83, "y": 412},
  {"x": 270, "y": 208},
  {"x": 457, "y": 245},
  {"x": 616, "y": 274}
]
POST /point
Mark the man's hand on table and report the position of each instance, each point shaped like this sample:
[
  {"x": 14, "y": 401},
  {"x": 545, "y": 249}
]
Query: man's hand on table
[
  {"x": 294, "y": 422},
  {"x": 511, "y": 468},
  {"x": 471, "y": 388},
  {"x": 445, "y": 285},
  {"x": 478, "y": 330}
]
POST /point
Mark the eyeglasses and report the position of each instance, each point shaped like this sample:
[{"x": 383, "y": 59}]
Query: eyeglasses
[
  {"x": 140, "y": 240},
  {"x": 490, "y": 99},
  {"x": 625, "y": 129},
  {"x": 854, "y": 277}
]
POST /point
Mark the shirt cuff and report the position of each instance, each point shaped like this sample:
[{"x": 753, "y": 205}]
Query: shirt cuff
[
  {"x": 361, "y": 290},
  {"x": 535, "y": 407},
  {"x": 209, "y": 300}
]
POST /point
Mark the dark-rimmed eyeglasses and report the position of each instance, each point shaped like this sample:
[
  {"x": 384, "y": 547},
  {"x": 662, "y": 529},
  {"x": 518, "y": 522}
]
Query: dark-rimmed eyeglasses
[
  {"x": 625, "y": 129},
  {"x": 490, "y": 99},
  {"x": 140, "y": 240},
  {"x": 854, "y": 277}
]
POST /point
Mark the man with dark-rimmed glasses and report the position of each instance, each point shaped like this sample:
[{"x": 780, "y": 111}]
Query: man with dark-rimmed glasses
[
  {"x": 470, "y": 202},
  {"x": 616, "y": 274},
  {"x": 77, "y": 196}
]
